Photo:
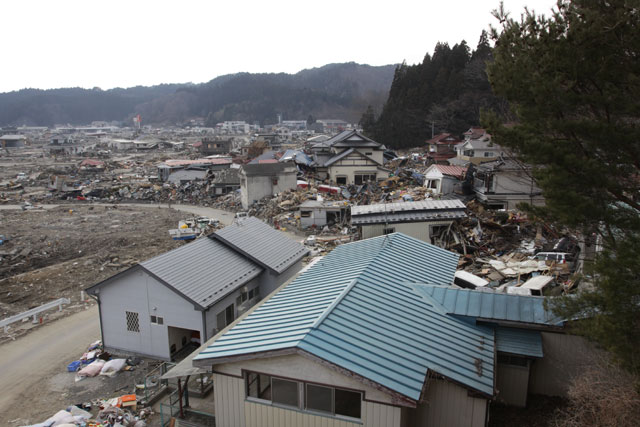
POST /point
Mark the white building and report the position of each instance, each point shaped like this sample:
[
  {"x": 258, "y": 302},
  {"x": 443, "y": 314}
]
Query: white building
[
  {"x": 444, "y": 179},
  {"x": 183, "y": 297},
  {"x": 350, "y": 158},
  {"x": 423, "y": 219}
]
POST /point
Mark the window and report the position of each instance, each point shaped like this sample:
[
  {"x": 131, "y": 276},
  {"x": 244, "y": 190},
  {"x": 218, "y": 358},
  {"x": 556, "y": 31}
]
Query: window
[
  {"x": 225, "y": 317},
  {"x": 157, "y": 320},
  {"x": 468, "y": 153},
  {"x": 305, "y": 214},
  {"x": 319, "y": 398},
  {"x": 489, "y": 154},
  {"x": 285, "y": 392},
  {"x": 347, "y": 403},
  {"x": 253, "y": 293},
  {"x": 369, "y": 153},
  {"x": 259, "y": 386},
  {"x": 315, "y": 397},
  {"x": 363, "y": 178},
  {"x": 512, "y": 360},
  {"x": 341, "y": 180},
  {"x": 133, "y": 323},
  {"x": 389, "y": 230}
]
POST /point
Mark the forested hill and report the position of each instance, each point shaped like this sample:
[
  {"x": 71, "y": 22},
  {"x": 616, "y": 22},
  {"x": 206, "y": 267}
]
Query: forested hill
[
  {"x": 447, "y": 90},
  {"x": 333, "y": 91}
]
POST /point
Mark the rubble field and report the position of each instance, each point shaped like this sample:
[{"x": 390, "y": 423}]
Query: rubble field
[{"x": 56, "y": 253}]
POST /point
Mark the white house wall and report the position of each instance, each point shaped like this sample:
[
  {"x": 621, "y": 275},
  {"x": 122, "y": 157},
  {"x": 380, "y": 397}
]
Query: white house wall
[
  {"x": 448, "y": 404},
  {"x": 419, "y": 230},
  {"x": 232, "y": 408},
  {"x": 140, "y": 293},
  {"x": 255, "y": 187},
  {"x": 267, "y": 282},
  {"x": 270, "y": 281},
  {"x": 355, "y": 164},
  {"x": 212, "y": 312}
]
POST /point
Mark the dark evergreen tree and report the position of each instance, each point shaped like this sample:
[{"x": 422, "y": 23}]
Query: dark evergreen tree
[
  {"x": 448, "y": 89},
  {"x": 573, "y": 84},
  {"x": 368, "y": 121},
  {"x": 310, "y": 120}
]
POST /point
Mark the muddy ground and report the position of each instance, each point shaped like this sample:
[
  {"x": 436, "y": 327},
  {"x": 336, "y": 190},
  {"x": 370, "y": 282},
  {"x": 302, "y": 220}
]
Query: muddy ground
[{"x": 57, "y": 253}]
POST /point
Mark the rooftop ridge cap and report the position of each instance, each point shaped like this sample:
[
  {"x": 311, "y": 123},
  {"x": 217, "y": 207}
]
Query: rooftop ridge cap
[{"x": 333, "y": 305}]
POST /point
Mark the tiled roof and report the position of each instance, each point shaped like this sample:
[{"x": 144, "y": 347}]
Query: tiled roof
[
  {"x": 356, "y": 309},
  {"x": 456, "y": 171}
]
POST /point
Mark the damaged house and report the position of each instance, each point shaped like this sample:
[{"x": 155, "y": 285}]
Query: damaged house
[
  {"x": 166, "y": 304},
  {"x": 423, "y": 220},
  {"x": 181, "y": 171},
  {"x": 315, "y": 213},
  {"x": 442, "y": 147},
  {"x": 350, "y": 158},
  {"x": 444, "y": 179},
  {"x": 214, "y": 146},
  {"x": 373, "y": 334},
  {"x": 478, "y": 147},
  {"x": 258, "y": 180},
  {"x": 503, "y": 183}
]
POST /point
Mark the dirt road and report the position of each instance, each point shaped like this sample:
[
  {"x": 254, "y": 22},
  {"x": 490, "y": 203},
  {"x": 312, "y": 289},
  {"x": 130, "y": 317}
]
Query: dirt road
[
  {"x": 223, "y": 216},
  {"x": 27, "y": 363}
]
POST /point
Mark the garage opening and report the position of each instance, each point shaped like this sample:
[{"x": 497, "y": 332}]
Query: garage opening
[{"x": 182, "y": 342}]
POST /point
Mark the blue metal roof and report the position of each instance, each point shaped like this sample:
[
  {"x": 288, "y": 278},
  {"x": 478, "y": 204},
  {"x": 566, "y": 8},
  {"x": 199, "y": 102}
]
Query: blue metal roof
[
  {"x": 524, "y": 342},
  {"x": 356, "y": 310},
  {"x": 489, "y": 305}
]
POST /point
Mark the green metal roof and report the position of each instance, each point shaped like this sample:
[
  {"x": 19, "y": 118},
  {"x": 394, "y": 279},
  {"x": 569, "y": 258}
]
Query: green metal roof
[
  {"x": 355, "y": 309},
  {"x": 489, "y": 305},
  {"x": 523, "y": 342}
]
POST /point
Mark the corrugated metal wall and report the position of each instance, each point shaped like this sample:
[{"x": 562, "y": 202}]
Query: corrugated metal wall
[
  {"x": 229, "y": 398},
  {"x": 513, "y": 384},
  {"x": 564, "y": 357},
  {"x": 234, "y": 411},
  {"x": 448, "y": 405}
]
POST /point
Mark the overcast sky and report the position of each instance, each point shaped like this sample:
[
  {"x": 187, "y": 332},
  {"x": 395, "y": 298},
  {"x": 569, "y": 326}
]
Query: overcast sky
[{"x": 113, "y": 43}]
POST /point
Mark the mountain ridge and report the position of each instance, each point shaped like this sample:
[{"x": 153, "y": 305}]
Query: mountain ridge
[{"x": 339, "y": 90}]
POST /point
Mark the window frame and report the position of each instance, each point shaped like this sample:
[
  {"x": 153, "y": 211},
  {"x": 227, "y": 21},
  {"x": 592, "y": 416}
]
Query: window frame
[
  {"x": 130, "y": 318},
  {"x": 302, "y": 395}
]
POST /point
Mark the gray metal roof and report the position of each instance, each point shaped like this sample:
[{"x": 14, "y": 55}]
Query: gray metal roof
[
  {"x": 202, "y": 271},
  {"x": 262, "y": 243},
  {"x": 425, "y": 210}
]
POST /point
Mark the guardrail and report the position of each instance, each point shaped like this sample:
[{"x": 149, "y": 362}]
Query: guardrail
[{"x": 33, "y": 312}]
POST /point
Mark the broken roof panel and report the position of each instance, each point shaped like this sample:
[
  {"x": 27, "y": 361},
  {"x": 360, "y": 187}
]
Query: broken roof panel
[
  {"x": 354, "y": 310},
  {"x": 202, "y": 271},
  {"x": 489, "y": 305},
  {"x": 263, "y": 244}
]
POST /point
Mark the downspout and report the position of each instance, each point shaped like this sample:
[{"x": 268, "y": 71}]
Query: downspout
[
  {"x": 204, "y": 337},
  {"x": 99, "y": 316}
]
